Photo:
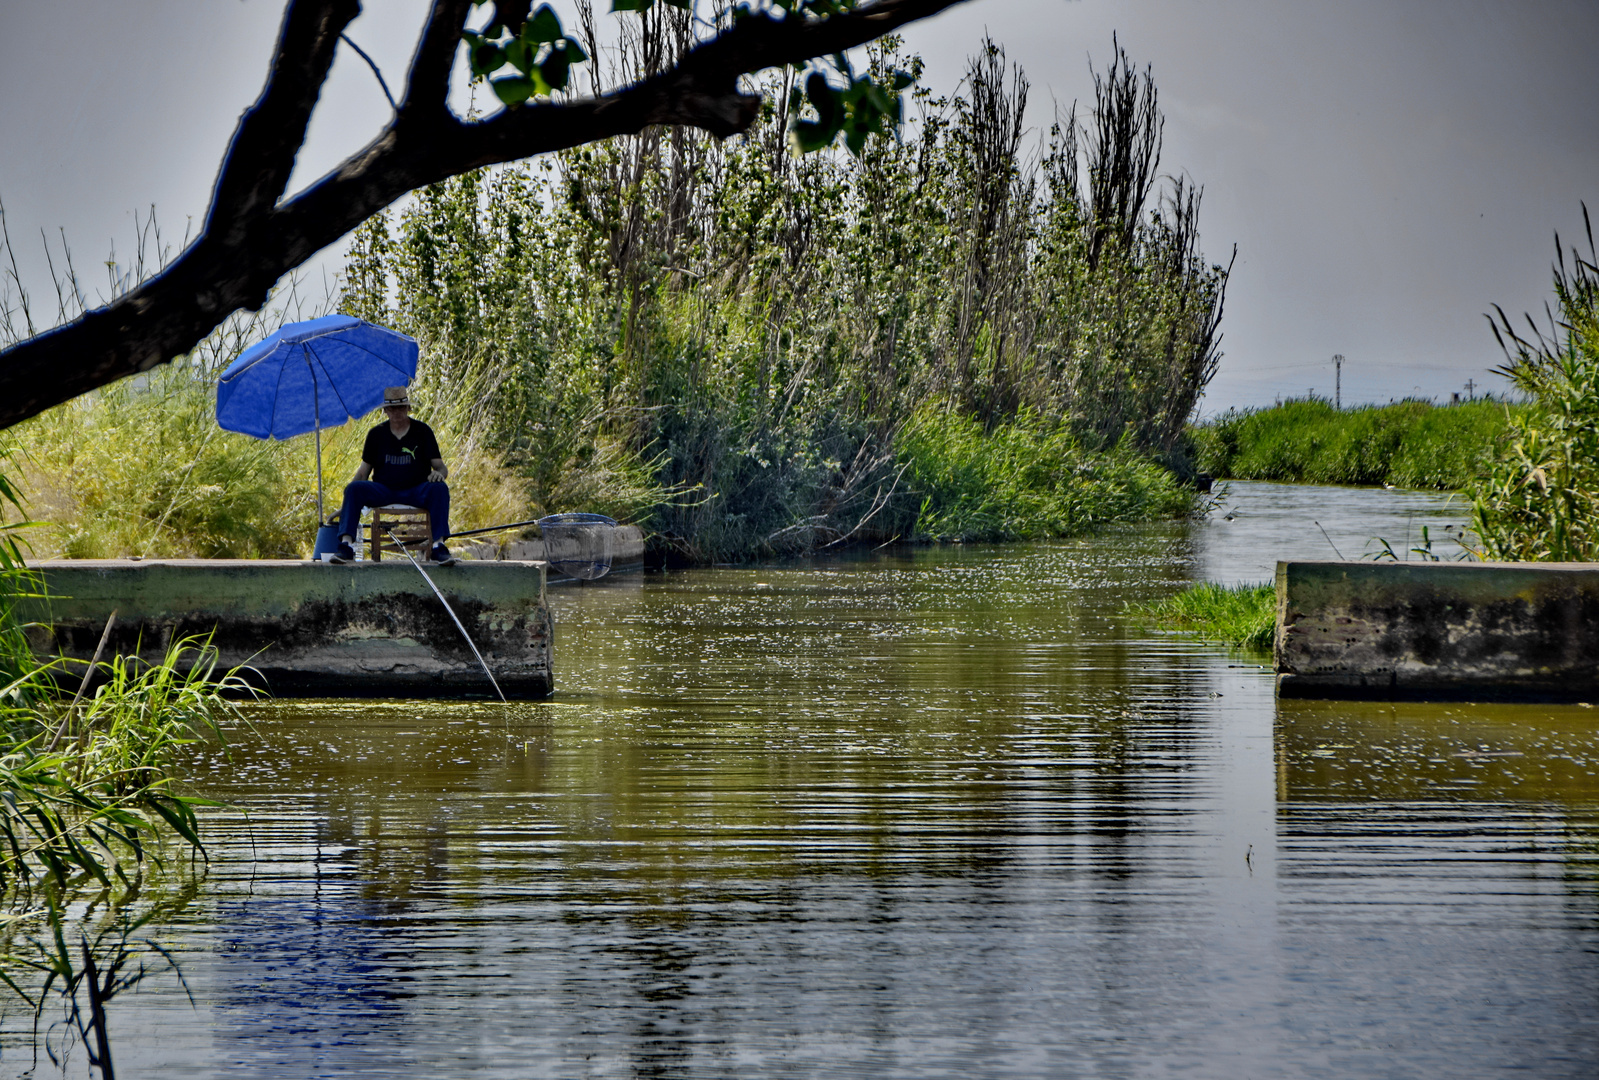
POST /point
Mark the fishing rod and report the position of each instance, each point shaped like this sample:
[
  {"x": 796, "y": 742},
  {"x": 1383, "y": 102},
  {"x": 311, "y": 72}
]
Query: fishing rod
[
  {"x": 469, "y": 643},
  {"x": 495, "y": 528}
]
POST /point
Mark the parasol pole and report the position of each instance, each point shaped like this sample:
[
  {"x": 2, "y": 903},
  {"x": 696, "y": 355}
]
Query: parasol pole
[{"x": 316, "y": 416}]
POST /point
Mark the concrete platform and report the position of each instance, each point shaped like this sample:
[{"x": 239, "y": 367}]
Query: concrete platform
[
  {"x": 313, "y": 629},
  {"x": 1444, "y": 631}
]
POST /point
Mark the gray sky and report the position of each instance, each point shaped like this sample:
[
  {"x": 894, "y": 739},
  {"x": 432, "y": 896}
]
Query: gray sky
[{"x": 1387, "y": 169}]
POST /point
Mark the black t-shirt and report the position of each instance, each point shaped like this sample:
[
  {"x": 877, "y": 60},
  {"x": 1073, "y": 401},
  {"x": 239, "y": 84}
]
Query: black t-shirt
[{"x": 401, "y": 463}]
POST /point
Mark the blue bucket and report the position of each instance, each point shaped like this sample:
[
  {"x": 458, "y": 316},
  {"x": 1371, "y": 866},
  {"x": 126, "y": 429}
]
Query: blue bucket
[{"x": 327, "y": 541}]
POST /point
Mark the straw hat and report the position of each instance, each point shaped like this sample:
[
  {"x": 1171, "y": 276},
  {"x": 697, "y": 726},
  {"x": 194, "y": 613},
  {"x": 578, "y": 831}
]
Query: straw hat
[{"x": 396, "y": 395}]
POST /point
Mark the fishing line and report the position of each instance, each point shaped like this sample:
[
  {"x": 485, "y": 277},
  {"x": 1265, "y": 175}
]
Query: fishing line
[
  {"x": 468, "y": 637},
  {"x": 1323, "y": 532}
]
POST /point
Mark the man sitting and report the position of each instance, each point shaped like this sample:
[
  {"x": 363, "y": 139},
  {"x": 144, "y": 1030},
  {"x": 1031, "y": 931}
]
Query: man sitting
[{"x": 402, "y": 457}]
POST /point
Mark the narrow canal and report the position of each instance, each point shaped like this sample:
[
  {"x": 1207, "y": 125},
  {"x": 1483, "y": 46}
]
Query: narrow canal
[{"x": 934, "y": 812}]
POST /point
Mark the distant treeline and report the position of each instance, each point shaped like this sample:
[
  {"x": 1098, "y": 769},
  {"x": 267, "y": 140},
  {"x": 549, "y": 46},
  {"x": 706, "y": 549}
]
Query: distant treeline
[{"x": 1412, "y": 444}]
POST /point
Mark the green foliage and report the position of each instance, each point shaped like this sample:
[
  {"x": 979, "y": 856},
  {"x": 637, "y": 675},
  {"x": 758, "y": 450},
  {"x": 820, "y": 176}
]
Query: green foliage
[
  {"x": 141, "y": 468},
  {"x": 863, "y": 107},
  {"x": 1411, "y": 444},
  {"x": 87, "y": 801},
  {"x": 721, "y": 339},
  {"x": 86, "y": 787},
  {"x": 1022, "y": 480},
  {"x": 531, "y": 60},
  {"x": 1540, "y": 501},
  {"x": 534, "y": 59},
  {"x": 16, "y": 583},
  {"x": 1240, "y": 615}
]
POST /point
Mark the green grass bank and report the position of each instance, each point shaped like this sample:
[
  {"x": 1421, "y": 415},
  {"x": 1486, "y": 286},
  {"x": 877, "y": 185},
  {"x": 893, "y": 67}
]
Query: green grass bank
[
  {"x": 1244, "y": 616},
  {"x": 1411, "y": 444}
]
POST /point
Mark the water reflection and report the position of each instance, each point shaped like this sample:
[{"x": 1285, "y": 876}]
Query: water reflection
[
  {"x": 940, "y": 812},
  {"x": 1328, "y": 751}
]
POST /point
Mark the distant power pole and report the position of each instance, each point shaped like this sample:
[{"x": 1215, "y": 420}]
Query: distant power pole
[
  {"x": 1338, "y": 380},
  {"x": 1471, "y": 389}
]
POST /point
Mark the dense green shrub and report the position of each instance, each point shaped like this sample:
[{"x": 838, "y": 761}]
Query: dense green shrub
[
  {"x": 738, "y": 333},
  {"x": 1411, "y": 444},
  {"x": 1022, "y": 480}
]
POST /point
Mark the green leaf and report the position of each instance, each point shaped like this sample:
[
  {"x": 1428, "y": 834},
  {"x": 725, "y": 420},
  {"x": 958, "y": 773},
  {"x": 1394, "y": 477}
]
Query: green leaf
[
  {"x": 180, "y": 818},
  {"x": 514, "y": 89},
  {"x": 543, "y": 27},
  {"x": 631, "y": 5},
  {"x": 903, "y": 80},
  {"x": 520, "y": 55},
  {"x": 574, "y": 51},
  {"x": 555, "y": 69},
  {"x": 487, "y": 58},
  {"x": 810, "y": 135},
  {"x": 825, "y": 98},
  {"x": 878, "y": 97}
]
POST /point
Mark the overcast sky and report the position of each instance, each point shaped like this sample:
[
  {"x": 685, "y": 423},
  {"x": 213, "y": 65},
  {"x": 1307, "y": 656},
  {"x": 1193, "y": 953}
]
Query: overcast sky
[{"x": 1387, "y": 169}]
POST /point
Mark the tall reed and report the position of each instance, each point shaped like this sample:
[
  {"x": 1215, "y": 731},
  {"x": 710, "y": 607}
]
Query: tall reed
[
  {"x": 720, "y": 340},
  {"x": 1540, "y": 501},
  {"x": 737, "y": 337}
]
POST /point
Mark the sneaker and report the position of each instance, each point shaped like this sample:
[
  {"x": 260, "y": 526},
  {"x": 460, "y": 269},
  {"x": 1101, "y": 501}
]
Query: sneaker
[
  {"x": 343, "y": 553},
  {"x": 441, "y": 555}
]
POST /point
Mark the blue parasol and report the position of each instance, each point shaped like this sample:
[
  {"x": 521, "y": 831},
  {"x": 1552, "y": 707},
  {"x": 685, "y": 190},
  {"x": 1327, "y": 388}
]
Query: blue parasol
[{"x": 313, "y": 375}]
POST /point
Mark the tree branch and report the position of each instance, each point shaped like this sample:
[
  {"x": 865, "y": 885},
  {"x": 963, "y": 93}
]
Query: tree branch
[
  {"x": 251, "y": 239},
  {"x": 428, "y": 84},
  {"x": 255, "y": 171}
]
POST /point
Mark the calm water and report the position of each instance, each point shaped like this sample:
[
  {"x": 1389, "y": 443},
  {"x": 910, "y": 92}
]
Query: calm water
[{"x": 944, "y": 812}]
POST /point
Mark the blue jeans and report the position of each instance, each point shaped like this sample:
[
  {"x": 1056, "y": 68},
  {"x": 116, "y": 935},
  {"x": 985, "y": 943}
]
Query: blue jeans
[{"x": 432, "y": 497}]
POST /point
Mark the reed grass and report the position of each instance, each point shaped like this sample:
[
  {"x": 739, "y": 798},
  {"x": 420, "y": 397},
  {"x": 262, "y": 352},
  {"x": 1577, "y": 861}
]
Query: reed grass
[
  {"x": 1540, "y": 500},
  {"x": 1410, "y": 444},
  {"x": 88, "y": 801},
  {"x": 1023, "y": 480},
  {"x": 1244, "y": 616}
]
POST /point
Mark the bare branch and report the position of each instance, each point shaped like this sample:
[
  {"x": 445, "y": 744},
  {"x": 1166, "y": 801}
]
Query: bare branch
[{"x": 376, "y": 71}]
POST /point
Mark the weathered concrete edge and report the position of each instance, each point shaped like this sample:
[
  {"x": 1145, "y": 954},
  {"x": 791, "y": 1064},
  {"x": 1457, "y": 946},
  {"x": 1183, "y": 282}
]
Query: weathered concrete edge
[
  {"x": 362, "y": 630},
  {"x": 1438, "y": 631}
]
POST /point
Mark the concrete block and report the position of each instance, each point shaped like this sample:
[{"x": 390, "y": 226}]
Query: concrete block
[
  {"x": 1424, "y": 630},
  {"x": 355, "y": 630}
]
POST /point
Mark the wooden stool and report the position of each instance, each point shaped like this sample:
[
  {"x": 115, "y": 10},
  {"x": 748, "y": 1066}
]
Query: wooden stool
[{"x": 412, "y": 525}]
